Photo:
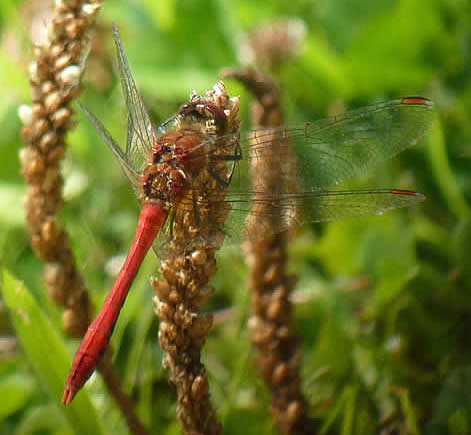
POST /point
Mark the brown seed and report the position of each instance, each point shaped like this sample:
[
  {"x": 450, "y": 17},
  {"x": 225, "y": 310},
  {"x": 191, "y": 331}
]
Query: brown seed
[
  {"x": 161, "y": 287},
  {"x": 52, "y": 101},
  {"x": 181, "y": 310},
  {"x": 25, "y": 155},
  {"x": 48, "y": 140},
  {"x": 203, "y": 296},
  {"x": 33, "y": 73},
  {"x": 168, "y": 273},
  {"x": 55, "y": 154},
  {"x": 54, "y": 277},
  {"x": 168, "y": 363},
  {"x": 174, "y": 297},
  {"x": 183, "y": 277},
  {"x": 57, "y": 30},
  {"x": 89, "y": 10},
  {"x": 47, "y": 87},
  {"x": 210, "y": 267},
  {"x": 34, "y": 167},
  {"x": 40, "y": 126},
  {"x": 199, "y": 387},
  {"x": 70, "y": 4},
  {"x": 75, "y": 49},
  {"x": 294, "y": 411},
  {"x": 280, "y": 373},
  {"x": 51, "y": 180},
  {"x": 264, "y": 334},
  {"x": 72, "y": 323},
  {"x": 69, "y": 75},
  {"x": 254, "y": 323},
  {"x": 272, "y": 274},
  {"x": 38, "y": 110},
  {"x": 36, "y": 93},
  {"x": 60, "y": 117},
  {"x": 73, "y": 29},
  {"x": 164, "y": 311},
  {"x": 283, "y": 332},
  {"x": 169, "y": 330},
  {"x": 201, "y": 325},
  {"x": 279, "y": 293},
  {"x": 49, "y": 230},
  {"x": 56, "y": 49},
  {"x": 198, "y": 257},
  {"x": 25, "y": 113},
  {"x": 274, "y": 310}
]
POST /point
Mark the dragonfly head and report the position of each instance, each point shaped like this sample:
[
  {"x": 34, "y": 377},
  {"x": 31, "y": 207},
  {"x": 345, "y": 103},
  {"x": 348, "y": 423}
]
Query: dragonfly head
[
  {"x": 193, "y": 123},
  {"x": 203, "y": 115}
]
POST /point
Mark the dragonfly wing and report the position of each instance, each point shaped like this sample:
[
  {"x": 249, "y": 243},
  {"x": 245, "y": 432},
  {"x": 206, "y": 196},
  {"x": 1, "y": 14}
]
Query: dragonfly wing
[
  {"x": 334, "y": 149},
  {"x": 289, "y": 210},
  {"x": 141, "y": 132},
  {"x": 117, "y": 151},
  {"x": 330, "y": 206},
  {"x": 161, "y": 240}
]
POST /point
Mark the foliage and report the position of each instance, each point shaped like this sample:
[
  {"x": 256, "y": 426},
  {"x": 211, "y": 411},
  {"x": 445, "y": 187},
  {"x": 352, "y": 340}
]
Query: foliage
[{"x": 382, "y": 302}]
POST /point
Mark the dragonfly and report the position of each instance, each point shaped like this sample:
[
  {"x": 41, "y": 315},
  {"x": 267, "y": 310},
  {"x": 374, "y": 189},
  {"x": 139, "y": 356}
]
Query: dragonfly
[{"x": 164, "y": 162}]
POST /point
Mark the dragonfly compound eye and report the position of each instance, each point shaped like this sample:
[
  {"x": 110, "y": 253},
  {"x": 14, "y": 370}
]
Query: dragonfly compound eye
[{"x": 201, "y": 112}]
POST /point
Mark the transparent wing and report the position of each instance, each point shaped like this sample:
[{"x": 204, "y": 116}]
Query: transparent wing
[
  {"x": 141, "y": 132},
  {"x": 334, "y": 149},
  {"x": 288, "y": 211},
  {"x": 117, "y": 151}
]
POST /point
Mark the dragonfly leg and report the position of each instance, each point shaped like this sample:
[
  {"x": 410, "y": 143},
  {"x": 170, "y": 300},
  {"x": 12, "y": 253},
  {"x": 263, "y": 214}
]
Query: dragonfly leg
[
  {"x": 234, "y": 158},
  {"x": 171, "y": 218},
  {"x": 195, "y": 208},
  {"x": 216, "y": 176}
]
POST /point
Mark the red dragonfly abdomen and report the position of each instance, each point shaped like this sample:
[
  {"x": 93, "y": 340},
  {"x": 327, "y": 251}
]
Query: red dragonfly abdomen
[{"x": 99, "y": 332}]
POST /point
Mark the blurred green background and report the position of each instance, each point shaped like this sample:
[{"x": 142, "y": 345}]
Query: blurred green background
[{"x": 383, "y": 303}]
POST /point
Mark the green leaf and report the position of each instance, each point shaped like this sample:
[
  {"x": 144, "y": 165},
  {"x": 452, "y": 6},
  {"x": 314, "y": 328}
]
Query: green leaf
[
  {"x": 15, "y": 391},
  {"x": 11, "y": 209},
  {"x": 162, "y": 12},
  {"x": 458, "y": 423},
  {"x": 43, "y": 419},
  {"x": 321, "y": 62},
  {"x": 174, "y": 83},
  {"x": 349, "y": 412},
  {"x": 409, "y": 412},
  {"x": 462, "y": 242},
  {"x": 47, "y": 354},
  {"x": 335, "y": 411},
  {"x": 437, "y": 155}
]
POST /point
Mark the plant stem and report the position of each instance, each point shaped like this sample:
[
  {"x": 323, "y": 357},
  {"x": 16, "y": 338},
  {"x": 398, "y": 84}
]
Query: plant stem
[{"x": 54, "y": 77}]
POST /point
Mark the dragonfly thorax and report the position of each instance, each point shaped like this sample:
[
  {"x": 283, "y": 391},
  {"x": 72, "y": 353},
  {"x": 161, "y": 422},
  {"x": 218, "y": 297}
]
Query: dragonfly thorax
[
  {"x": 163, "y": 182},
  {"x": 174, "y": 146}
]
